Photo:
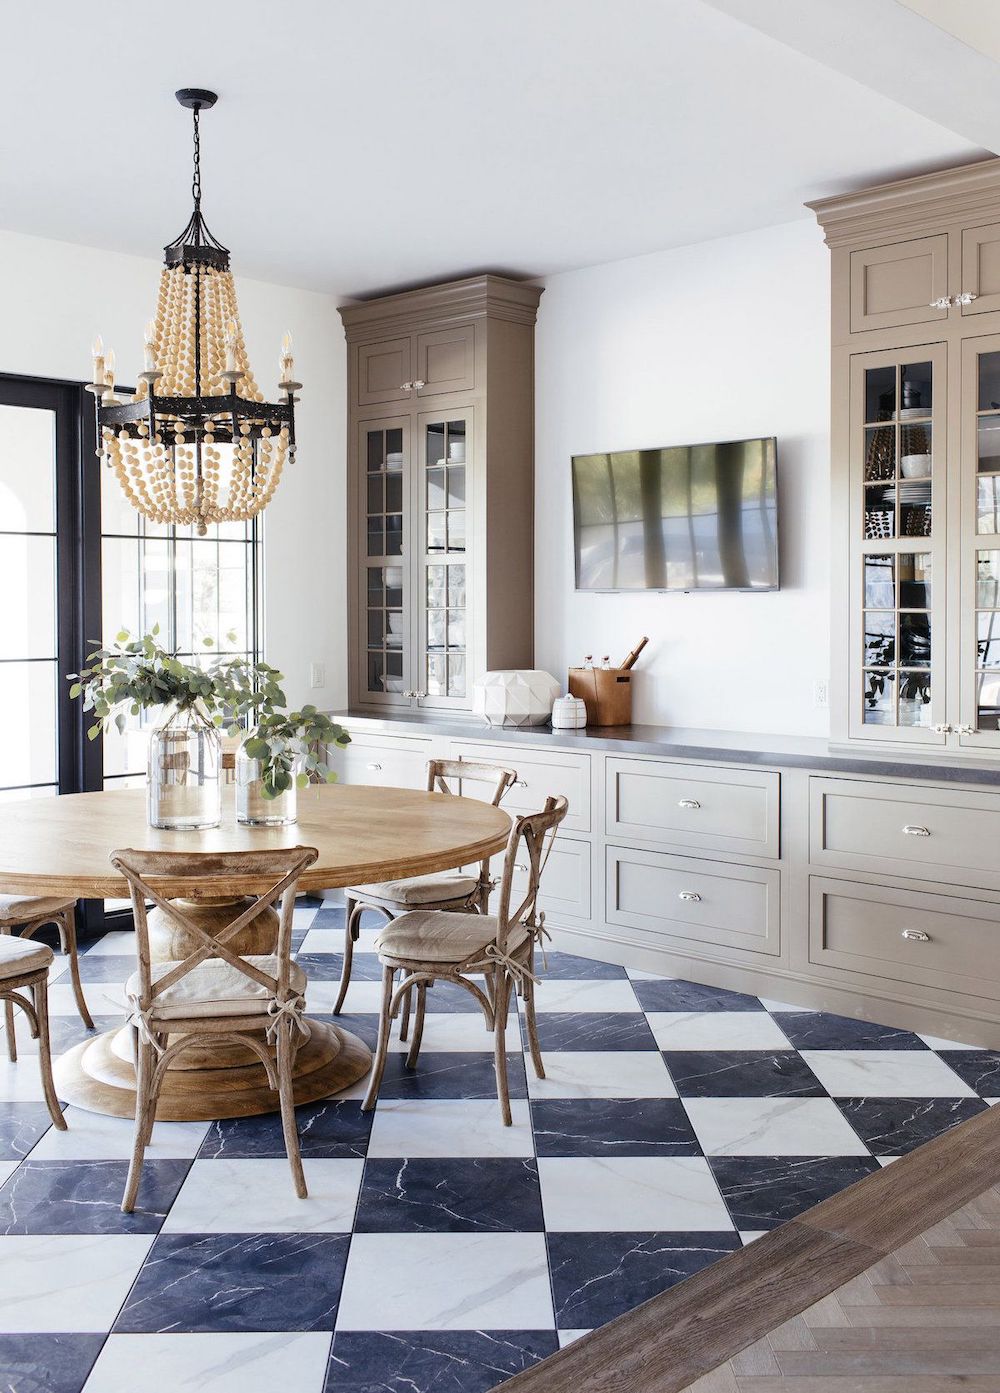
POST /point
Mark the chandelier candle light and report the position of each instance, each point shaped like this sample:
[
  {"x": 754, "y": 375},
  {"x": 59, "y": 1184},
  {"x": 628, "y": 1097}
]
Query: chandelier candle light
[{"x": 197, "y": 443}]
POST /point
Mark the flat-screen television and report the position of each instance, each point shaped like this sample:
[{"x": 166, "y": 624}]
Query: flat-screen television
[{"x": 688, "y": 517}]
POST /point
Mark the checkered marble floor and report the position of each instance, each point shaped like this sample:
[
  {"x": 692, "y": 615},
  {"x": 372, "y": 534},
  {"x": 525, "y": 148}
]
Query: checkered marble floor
[{"x": 440, "y": 1252}]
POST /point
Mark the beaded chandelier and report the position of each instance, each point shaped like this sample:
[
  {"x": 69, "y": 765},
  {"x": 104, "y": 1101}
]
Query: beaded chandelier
[{"x": 196, "y": 443}]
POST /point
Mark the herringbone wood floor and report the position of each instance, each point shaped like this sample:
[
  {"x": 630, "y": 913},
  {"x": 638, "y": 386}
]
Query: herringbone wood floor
[{"x": 927, "y": 1317}]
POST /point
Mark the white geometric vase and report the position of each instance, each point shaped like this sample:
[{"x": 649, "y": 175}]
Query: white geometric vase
[{"x": 515, "y": 698}]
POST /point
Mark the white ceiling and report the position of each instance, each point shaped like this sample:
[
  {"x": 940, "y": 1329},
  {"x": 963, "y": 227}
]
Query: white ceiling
[{"x": 367, "y": 144}]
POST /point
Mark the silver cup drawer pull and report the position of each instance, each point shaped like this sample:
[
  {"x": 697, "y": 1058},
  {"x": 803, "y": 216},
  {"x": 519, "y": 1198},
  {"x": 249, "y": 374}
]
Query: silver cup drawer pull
[
  {"x": 689, "y": 803},
  {"x": 915, "y": 936},
  {"x": 689, "y": 895},
  {"x": 375, "y": 767},
  {"x": 912, "y": 830}
]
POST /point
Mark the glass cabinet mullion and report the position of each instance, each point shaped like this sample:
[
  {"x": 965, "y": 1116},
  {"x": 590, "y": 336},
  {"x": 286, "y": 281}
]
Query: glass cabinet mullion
[
  {"x": 443, "y": 599},
  {"x": 384, "y": 584}
]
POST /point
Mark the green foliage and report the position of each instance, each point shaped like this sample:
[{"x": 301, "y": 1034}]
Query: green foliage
[
  {"x": 138, "y": 674},
  {"x": 282, "y": 739}
]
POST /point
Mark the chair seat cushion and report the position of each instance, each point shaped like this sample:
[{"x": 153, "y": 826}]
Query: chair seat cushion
[
  {"x": 215, "y": 988},
  {"x": 18, "y": 909},
  {"x": 419, "y": 889},
  {"x": 21, "y": 955},
  {"x": 441, "y": 936}
]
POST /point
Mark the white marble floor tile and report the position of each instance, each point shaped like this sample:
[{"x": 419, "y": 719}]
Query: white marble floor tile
[
  {"x": 885, "y": 1074},
  {"x": 638, "y": 974},
  {"x": 772, "y": 1127},
  {"x": 332, "y": 941},
  {"x": 90, "y": 1136},
  {"x": 771, "y": 1005},
  {"x": 256, "y": 1196},
  {"x": 751, "y": 1235},
  {"x": 7, "y": 1169},
  {"x": 601, "y": 1074},
  {"x": 447, "y": 1127},
  {"x": 118, "y": 944},
  {"x": 583, "y": 1194},
  {"x": 716, "y": 1030},
  {"x": 936, "y": 1043},
  {"x": 566, "y": 1337},
  {"x": 886, "y": 1160},
  {"x": 67, "y": 1281},
  {"x": 446, "y": 1281},
  {"x": 20, "y": 1082},
  {"x": 564, "y": 994},
  {"x": 103, "y": 998},
  {"x": 217, "y": 1363}
]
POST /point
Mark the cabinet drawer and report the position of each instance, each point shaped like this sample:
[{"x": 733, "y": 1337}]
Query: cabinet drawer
[
  {"x": 382, "y": 369},
  {"x": 932, "y": 834},
  {"x": 701, "y": 901},
  {"x": 565, "y": 880},
  {"x": 391, "y": 760},
  {"x": 540, "y": 776},
  {"x": 897, "y": 284},
  {"x": 938, "y": 941},
  {"x": 694, "y": 805},
  {"x": 446, "y": 360}
]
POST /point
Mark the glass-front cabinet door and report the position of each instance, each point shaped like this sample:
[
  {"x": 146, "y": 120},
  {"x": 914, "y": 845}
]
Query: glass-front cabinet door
[
  {"x": 385, "y": 555},
  {"x": 980, "y": 544},
  {"x": 443, "y": 575},
  {"x": 898, "y": 488}
]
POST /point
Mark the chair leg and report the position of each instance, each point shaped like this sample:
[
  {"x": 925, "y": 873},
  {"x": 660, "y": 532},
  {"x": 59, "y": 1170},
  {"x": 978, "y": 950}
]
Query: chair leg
[
  {"x": 500, "y": 1043},
  {"x": 404, "y": 1023},
  {"x": 145, "y": 1108},
  {"x": 8, "y": 1014},
  {"x": 418, "y": 1026},
  {"x": 351, "y": 931},
  {"x": 40, "y": 1001},
  {"x": 382, "y": 1048},
  {"x": 66, "y": 925},
  {"x": 529, "y": 1016},
  {"x": 285, "y": 1061}
]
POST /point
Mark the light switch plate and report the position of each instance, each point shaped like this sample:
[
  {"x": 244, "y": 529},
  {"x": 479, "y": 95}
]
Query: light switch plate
[{"x": 317, "y": 675}]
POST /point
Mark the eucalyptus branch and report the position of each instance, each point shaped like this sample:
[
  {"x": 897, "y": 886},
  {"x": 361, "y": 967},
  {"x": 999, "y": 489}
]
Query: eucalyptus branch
[{"x": 282, "y": 739}]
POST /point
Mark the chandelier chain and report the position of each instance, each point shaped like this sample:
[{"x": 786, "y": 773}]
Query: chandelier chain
[{"x": 196, "y": 181}]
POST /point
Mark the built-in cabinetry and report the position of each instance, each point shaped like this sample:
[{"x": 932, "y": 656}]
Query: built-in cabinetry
[
  {"x": 916, "y": 461},
  {"x": 440, "y": 479},
  {"x": 842, "y": 882}
]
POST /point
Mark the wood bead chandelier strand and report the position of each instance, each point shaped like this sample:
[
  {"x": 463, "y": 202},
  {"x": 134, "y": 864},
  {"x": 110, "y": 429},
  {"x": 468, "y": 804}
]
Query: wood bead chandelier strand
[{"x": 196, "y": 443}]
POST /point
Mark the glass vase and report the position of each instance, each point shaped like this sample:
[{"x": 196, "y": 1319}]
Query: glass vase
[
  {"x": 184, "y": 784},
  {"x": 252, "y": 808}
]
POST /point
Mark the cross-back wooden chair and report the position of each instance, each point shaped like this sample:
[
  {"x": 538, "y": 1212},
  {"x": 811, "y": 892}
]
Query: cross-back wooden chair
[
  {"x": 426, "y": 946},
  {"x": 25, "y": 915},
  {"x": 215, "y": 993},
  {"x": 447, "y": 890},
  {"x": 24, "y": 968}
]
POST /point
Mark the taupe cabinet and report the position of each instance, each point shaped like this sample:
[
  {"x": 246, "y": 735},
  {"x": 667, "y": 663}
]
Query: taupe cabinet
[
  {"x": 863, "y": 893},
  {"x": 916, "y": 461},
  {"x": 440, "y": 480}
]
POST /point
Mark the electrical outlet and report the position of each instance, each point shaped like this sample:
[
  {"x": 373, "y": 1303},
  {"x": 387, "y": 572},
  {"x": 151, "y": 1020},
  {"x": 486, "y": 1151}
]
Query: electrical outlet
[
  {"x": 821, "y": 694},
  {"x": 317, "y": 675}
]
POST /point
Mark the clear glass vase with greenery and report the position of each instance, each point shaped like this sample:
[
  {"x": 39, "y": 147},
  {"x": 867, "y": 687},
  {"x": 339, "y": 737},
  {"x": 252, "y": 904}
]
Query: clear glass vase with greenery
[{"x": 283, "y": 752}]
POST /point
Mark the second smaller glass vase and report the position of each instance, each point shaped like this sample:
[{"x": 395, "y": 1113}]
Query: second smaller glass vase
[{"x": 252, "y": 808}]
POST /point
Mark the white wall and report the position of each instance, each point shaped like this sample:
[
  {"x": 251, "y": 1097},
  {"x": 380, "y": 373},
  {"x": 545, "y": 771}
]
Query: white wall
[
  {"x": 724, "y": 340},
  {"x": 54, "y": 297}
]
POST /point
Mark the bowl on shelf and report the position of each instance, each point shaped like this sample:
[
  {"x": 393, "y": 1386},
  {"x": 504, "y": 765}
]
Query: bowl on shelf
[
  {"x": 393, "y": 684},
  {"x": 915, "y": 466}
]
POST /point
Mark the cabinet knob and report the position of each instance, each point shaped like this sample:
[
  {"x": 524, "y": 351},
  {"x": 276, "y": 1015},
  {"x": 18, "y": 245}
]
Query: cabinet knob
[
  {"x": 689, "y": 803},
  {"x": 912, "y": 830},
  {"x": 519, "y": 867},
  {"x": 943, "y": 302},
  {"x": 520, "y": 783},
  {"x": 964, "y": 730},
  {"x": 942, "y": 728},
  {"x": 966, "y": 297},
  {"x": 406, "y": 386},
  {"x": 375, "y": 767},
  {"x": 689, "y": 895},
  {"x": 915, "y": 936},
  {"x": 418, "y": 383}
]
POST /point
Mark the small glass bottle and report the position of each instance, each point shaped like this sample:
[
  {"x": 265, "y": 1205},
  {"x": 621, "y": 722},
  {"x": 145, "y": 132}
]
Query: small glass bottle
[
  {"x": 588, "y": 662},
  {"x": 252, "y": 808}
]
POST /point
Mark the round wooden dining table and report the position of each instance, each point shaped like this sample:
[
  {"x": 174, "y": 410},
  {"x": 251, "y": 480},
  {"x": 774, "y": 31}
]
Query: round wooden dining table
[{"x": 62, "y": 846}]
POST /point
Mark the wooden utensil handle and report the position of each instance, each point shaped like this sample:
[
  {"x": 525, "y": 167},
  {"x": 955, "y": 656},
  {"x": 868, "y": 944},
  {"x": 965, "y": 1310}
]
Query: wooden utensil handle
[{"x": 631, "y": 659}]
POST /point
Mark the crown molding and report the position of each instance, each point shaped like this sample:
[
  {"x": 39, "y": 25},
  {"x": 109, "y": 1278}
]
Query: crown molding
[
  {"x": 912, "y": 207},
  {"x": 477, "y": 297}
]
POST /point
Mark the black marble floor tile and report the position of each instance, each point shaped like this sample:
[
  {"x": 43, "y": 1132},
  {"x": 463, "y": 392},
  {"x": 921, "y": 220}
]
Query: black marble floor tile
[
  {"x": 327, "y": 967},
  {"x": 742, "y": 1074},
  {"x": 329, "y": 1129},
  {"x": 893, "y": 1126},
  {"x": 597, "y": 1276},
  {"x": 98, "y": 967},
  {"x": 47, "y": 1363},
  {"x": 67, "y": 1031},
  {"x": 451, "y": 1075},
  {"x": 594, "y": 1030},
  {"x": 440, "y": 1361},
  {"x": 765, "y": 1191},
  {"x": 612, "y": 1127},
  {"x": 86, "y": 1196},
  {"x": 363, "y": 1024},
  {"x": 980, "y": 1069},
  {"x": 671, "y": 995},
  {"x": 816, "y": 1030},
  {"x": 450, "y": 1195},
  {"x": 21, "y": 1124},
  {"x": 571, "y": 966},
  {"x": 237, "y": 1281}
]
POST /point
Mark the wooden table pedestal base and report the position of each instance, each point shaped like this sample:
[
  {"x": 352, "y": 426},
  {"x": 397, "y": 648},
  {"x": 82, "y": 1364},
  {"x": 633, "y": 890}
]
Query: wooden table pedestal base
[{"x": 98, "y": 1075}]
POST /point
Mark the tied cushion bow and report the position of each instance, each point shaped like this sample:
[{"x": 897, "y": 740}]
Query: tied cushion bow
[{"x": 292, "y": 1009}]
